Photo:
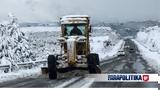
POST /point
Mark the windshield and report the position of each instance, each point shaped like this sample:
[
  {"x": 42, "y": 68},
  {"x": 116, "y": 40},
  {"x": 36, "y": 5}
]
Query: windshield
[{"x": 74, "y": 29}]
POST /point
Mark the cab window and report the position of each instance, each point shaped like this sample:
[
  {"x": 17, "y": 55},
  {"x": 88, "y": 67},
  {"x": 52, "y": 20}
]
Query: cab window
[{"x": 74, "y": 29}]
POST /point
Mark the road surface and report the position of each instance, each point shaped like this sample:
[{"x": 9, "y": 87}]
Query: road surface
[{"x": 132, "y": 62}]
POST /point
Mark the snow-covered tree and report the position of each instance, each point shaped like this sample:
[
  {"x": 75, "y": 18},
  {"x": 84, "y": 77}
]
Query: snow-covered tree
[{"x": 14, "y": 46}]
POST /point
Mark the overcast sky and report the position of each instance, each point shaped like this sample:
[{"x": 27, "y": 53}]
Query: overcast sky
[{"x": 99, "y": 10}]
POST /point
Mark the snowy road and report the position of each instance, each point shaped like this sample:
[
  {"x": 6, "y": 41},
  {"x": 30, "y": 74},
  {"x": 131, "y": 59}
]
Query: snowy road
[{"x": 132, "y": 62}]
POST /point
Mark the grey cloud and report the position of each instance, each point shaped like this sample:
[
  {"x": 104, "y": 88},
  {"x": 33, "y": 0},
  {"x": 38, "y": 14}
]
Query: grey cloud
[{"x": 99, "y": 10}]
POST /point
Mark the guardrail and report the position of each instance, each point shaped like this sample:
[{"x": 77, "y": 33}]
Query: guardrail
[{"x": 5, "y": 68}]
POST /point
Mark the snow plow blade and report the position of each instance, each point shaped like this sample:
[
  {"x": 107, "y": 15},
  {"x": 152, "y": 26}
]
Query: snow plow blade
[{"x": 44, "y": 70}]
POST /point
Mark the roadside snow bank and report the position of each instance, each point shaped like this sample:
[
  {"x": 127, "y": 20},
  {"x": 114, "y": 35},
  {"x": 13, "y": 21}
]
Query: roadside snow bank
[
  {"x": 150, "y": 38},
  {"x": 35, "y": 72},
  {"x": 98, "y": 46},
  {"x": 151, "y": 57}
]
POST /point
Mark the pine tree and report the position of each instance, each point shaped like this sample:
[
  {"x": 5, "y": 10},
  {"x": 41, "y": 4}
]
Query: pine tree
[{"x": 14, "y": 46}]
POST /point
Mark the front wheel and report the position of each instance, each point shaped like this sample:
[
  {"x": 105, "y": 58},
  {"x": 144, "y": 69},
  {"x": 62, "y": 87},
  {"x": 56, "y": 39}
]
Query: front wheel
[
  {"x": 93, "y": 63},
  {"x": 52, "y": 69}
]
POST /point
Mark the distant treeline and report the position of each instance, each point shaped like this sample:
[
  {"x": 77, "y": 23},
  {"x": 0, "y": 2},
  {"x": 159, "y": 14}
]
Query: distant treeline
[{"x": 50, "y": 24}]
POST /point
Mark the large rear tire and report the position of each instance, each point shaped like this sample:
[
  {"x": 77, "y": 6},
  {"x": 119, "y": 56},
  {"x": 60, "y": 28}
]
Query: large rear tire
[
  {"x": 52, "y": 69},
  {"x": 93, "y": 63}
]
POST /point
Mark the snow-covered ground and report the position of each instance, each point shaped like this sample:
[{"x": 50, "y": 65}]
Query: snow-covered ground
[
  {"x": 34, "y": 72},
  {"x": 43, "y": 42},
  {"x": 148, "y": 41},
  {"x": 151, "y": 57},
  {"x": 98, "y": 46},
  {"x": 105, "y": 42},
  {"x": 150, "y": 38}
]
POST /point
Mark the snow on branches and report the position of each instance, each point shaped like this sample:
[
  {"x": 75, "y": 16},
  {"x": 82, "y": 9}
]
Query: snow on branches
[{"x": 14, "y": 46}]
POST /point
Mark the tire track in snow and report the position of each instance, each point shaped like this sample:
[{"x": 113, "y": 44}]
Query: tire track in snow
[
  {"x": 67, "y": 83},
  {"x": 78, "y": 82}
]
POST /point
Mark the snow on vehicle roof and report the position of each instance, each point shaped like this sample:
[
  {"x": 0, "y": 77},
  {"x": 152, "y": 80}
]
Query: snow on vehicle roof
[
  {"x": 75, "y": 16},
  {"x": 69, "y": 19}
]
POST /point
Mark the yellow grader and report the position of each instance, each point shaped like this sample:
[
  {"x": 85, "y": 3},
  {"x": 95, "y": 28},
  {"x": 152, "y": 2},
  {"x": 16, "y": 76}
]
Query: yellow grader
[{"x": 75, "y": 48}]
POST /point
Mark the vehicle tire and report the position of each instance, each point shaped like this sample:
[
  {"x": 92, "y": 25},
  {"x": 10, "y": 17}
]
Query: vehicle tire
[
  {"x": 52, "y": 69},
  {"x": 97, "y": 59},
  {"x": 93, "y": 63}
]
